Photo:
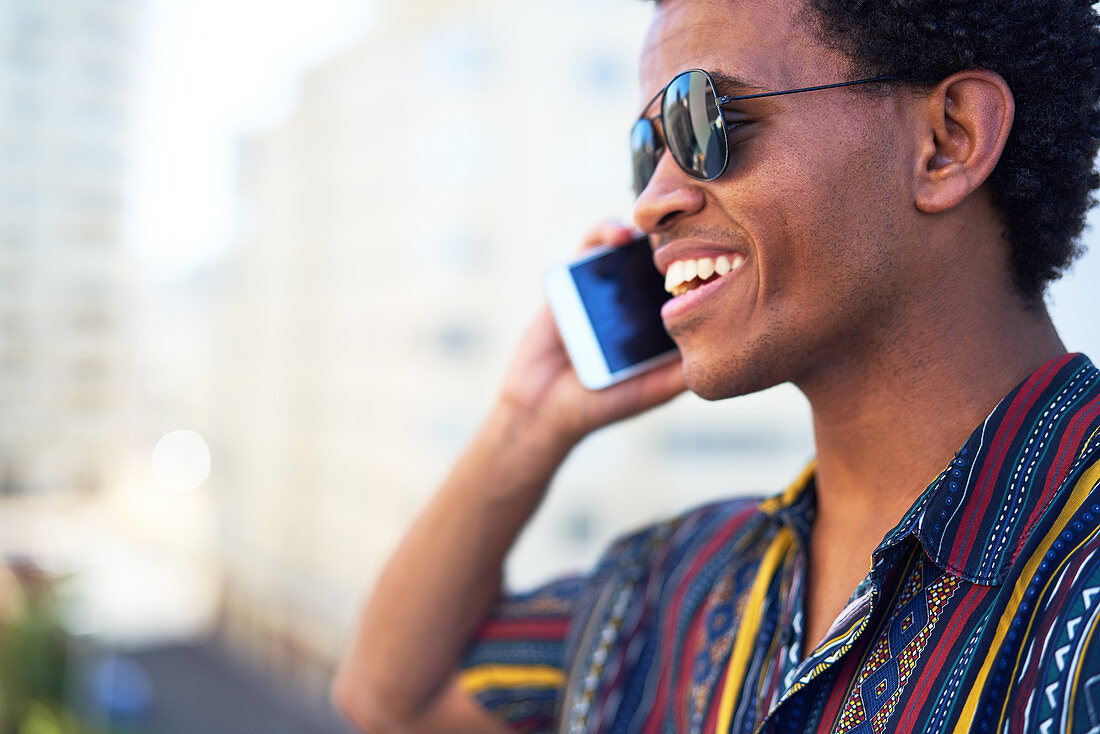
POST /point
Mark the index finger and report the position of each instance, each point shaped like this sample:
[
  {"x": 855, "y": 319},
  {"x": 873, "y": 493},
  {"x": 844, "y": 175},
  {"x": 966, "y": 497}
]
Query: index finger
[{"x": 609, "y": 233}]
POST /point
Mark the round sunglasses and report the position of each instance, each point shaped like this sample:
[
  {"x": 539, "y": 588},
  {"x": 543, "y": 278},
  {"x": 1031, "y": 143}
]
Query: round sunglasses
[{"x": 694, "y": 129}]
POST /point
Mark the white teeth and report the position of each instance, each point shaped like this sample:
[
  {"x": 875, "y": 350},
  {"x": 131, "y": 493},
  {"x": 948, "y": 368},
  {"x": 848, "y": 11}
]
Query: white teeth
[
  {"x": 690, "y": 270},
  {"x": 706, "y": 268},
  {"x": 682, "y": 272},
  {"x": 675, "y": 275}
]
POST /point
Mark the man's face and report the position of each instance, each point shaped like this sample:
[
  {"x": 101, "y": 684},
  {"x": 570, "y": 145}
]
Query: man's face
[{"x": 810, "y": 210}]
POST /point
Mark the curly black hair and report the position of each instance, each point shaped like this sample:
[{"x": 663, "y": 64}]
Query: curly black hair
[{"x": 1047, "y": 52}]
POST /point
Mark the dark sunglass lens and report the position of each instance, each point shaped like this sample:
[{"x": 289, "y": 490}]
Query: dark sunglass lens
[
  {"x": 643, "y": 147},
  {"x": 694, "y": 131}
]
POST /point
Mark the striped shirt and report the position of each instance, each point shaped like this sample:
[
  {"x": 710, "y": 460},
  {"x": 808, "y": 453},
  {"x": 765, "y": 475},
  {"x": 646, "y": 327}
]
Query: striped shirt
[{"x": 979, "y": 612}]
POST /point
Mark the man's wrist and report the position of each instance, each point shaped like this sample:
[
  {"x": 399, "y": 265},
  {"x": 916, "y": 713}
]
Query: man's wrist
[{"x": 530, "y": 432}]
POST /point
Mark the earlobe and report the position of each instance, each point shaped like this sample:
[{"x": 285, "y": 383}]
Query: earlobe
[{"x": 965, "y": 121}]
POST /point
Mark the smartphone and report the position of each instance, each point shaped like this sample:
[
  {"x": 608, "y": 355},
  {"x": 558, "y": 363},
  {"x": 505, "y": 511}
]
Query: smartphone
[{"x": 607, "y": 306}]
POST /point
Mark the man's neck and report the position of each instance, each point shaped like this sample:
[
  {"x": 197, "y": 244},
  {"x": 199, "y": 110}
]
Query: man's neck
[
  {"x": 886, "y": 426},
  {"x": 888, "y": 421}
]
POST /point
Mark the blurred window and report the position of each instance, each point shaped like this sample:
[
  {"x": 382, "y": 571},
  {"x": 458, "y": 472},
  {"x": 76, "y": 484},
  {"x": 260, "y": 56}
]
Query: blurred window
[
  {"x": 458, "y": 341},
  {"x": 459, "y": 55},
  {"x": 25, "y": 106},
  {"x": 451, "y": 429},
  {"x": 103, "y": 73},
  {"x": 88, "y": 369},
  {"x": 603, "y": 74},
  {"x": 101, "y": 198},
  {"x": 12, "y": 324},
  {"x": 457, "y": 159},
  {"x": 105, "y": 29},
  {"x": 92, "y": 319},
  {"x": 720, "y": 442},
  {"x": 87, "y": 400},
  {"x": 101, "y": 116},
  {"x": 11, "y": 478},
  {"x": 14, "y": 358},
  {"x": 28, "y": 22},
  {"x": 99, "y": 233},
  {"x": 452, "y": 249}
]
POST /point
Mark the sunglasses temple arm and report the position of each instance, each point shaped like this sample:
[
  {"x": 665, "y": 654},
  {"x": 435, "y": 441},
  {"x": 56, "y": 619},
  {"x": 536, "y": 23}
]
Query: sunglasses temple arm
[{"x": 889, "y": 77}]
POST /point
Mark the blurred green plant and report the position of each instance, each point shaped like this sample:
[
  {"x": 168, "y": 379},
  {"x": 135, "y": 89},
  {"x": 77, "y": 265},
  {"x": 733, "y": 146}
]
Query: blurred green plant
[
  {"x": 41, "y": 719},
  {"x": 34, "y": 674}
]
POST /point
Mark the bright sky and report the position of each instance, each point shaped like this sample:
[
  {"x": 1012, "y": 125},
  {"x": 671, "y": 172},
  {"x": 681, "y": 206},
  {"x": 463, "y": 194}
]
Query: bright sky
[
  {"x": 1075, "y": 299},
  {"x": 212, "y": 73}
]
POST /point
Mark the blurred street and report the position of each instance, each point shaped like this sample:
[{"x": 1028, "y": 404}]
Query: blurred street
[{"x": 204, "y": 689}]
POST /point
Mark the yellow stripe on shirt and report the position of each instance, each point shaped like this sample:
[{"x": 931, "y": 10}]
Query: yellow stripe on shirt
[
  {"x": 749, "y": 627},
  {"x": 481, "y": 677},
  {"x": 791, "y": 494}
]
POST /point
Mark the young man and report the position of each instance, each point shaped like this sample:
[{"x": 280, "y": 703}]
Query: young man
[{"x": 936, "y": 568}]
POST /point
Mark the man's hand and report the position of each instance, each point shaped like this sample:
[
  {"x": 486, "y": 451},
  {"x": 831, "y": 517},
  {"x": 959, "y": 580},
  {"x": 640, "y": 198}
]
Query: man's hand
[{"x": 542, "y": 385}]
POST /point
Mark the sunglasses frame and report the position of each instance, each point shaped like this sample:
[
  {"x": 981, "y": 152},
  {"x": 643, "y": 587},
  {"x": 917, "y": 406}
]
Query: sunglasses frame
[{"x": 718, "y": 102}]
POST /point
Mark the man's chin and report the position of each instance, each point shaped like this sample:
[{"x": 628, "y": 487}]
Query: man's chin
[{"x": 720, "y": 379}]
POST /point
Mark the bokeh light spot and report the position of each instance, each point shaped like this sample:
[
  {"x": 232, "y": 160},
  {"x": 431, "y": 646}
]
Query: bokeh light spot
[{"x": 181, "y": 460}]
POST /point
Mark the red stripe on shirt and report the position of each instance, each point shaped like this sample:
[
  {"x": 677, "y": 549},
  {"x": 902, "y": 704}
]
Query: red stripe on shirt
[
  {"x": 1017, "y": 412},
  {"x": 524, "y": 629},
  {"x": 687, "y": 663},
  {"x": 1071, "y": 442},
  {"x": 839, "y": 694}
]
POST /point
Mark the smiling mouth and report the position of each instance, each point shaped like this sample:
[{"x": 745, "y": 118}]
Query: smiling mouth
[{"x": 686, "y": 275}]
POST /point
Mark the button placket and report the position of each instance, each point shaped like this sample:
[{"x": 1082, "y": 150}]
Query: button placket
[{"x": 827, "y": 655}]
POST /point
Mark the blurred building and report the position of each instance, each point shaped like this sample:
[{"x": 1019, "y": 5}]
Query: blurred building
[
  {"x": 65, "y": 79},
  {"x": 399, "y": 223}
]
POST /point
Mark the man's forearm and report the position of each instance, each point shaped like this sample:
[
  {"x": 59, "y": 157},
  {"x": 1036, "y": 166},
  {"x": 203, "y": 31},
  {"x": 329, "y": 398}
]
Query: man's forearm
[{"x": 446, "y": 574}]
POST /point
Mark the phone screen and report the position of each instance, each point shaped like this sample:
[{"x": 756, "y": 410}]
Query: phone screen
[{"x": 623, "y": 293}]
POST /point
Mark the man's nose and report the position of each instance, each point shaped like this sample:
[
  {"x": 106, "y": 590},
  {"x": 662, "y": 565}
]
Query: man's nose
[{"x": 670, "y": 195}]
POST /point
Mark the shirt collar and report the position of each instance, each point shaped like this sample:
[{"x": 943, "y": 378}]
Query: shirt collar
[
  {"x": 973, "y": 518},
  {"x": 796, "y": 506}
]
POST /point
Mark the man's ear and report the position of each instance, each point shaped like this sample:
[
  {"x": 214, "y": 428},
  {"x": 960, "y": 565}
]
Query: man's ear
[{"x": 964, "y": 123}]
